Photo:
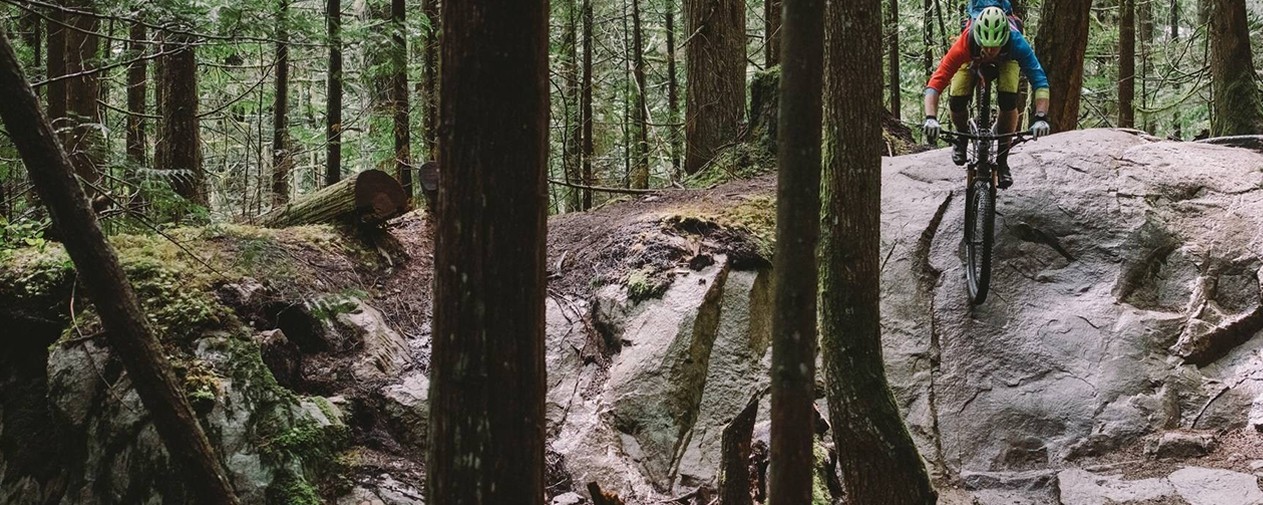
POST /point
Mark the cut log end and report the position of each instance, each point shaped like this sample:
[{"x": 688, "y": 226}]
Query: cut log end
[{"x": 367, "y": 198}]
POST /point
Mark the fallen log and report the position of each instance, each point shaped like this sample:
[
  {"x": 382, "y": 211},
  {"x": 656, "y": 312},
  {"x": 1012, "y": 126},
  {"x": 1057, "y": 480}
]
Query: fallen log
[{"x": 369, "y": 197}]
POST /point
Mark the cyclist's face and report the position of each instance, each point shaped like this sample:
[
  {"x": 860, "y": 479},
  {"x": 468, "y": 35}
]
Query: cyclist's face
[{"x": 990, "y": 52}]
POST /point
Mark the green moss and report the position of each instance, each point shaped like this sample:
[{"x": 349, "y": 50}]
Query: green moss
[
  {"x": 293, "y": 489},
  {"x": 819, "y": 489},
  {"x": 645, "y": 283},
  {"x": 741, "y": 161},
  {"x": 754, "y": 219}
]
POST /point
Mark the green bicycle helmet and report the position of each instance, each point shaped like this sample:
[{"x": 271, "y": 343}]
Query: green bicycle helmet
[{"x": 991, "y": 29}]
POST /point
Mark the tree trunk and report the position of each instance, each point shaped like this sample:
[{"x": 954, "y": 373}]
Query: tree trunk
[
  {"x": 585, "y": 104},
  {"x": 282, "y": 158},
  {"x": 1176, "y": 122},
  {"x": 85, "y": 144},
  {"x": 137, "y": 85},
  {"x": 431, "y": 97},
  {"x": 370, "y": 197},
  {"x": 487, "y": 390},
  {"x": 181, "y": 141},
  {"x": 673, "y": 93},
  {"x": 878, "y": 460},
  {"x": 56, "y": 98},
  {"x": 98, "y": 268},
  {"x": 772, "y": 33},
  {"x": 734, "y": 442},
  {"x": 716, "y": 55},
  {"x": 1234, "y": 92},
  {"x": 927, "y": 37},
  {"x": 1127, "y": 64},
  {"x": 640, "y": 171},
  {"x": 572, "y": 149},
  {"x": 1060, "y": 47},
  {"x": 892, "y": 73},
  {"x": 399, "y": 95},
  {"x": 31, "y": 28},
  {"x": 794, "y": 265},
  {"x": 333, "y": 94}
]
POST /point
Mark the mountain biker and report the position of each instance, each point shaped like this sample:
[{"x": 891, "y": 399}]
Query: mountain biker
[{"x": 991, "y": 39}]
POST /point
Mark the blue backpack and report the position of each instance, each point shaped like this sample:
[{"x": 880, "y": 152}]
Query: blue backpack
[{"x": 975, "y": 7}]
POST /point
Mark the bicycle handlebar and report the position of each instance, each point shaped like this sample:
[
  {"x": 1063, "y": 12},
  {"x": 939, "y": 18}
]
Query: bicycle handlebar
[{"x": 1021, "y": 135}]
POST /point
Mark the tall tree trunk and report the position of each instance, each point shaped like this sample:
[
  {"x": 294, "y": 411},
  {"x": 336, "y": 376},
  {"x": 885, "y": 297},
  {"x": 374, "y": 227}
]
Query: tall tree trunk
[
  {"x": 626, "y": 95},
  {"x": 399, "y": 95},
  {"x": 32, "y": 35},
  {"x": 127, "y": 331},
  {"x": 1234, "y": 93},
  {"x": 487, "y": 390},
  {"x": 1127, "y": 64},
  {"x": 431, "y": 97},
  {"x": 1176, "y": 122},
  {"x": 673, "y": 93},
  {"x": 1060, "y": 47},
  {"x": 137, "y": 85},
  {"x": 640, "y": 172},
  {"x": 571, "y": 150},
  {"x": 716, "y": 55},
  {"x": 585, "y": 104},
  {"x": 85, "y": 144},
  {"x": 879, "y": 462},
  {"x": 794, "y": 265},
  {"x": 180, "y": 136},
  {"x": 333, "y": 94},
  {"x": 772, "y": 33},
  {"x": 892, "y": 73},
  {"x": 56, "y": 98},
  {"x": 927, "y": 37},
  {"x": 282, "y": 158}
]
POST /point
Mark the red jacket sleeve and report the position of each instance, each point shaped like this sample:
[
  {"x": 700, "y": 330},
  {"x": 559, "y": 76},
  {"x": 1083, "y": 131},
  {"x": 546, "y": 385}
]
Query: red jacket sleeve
[{"x": 956, "y": 56}]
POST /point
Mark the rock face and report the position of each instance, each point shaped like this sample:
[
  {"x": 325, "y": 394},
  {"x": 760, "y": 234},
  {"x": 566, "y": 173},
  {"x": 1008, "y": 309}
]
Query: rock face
[{"x": 1126, "y": 302}]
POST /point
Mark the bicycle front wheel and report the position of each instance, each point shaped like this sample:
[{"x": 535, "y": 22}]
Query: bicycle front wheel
[{"x": 979, "y": 228}]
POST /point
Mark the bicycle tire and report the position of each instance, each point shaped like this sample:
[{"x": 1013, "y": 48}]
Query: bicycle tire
[{"x": 979, "y": 238}]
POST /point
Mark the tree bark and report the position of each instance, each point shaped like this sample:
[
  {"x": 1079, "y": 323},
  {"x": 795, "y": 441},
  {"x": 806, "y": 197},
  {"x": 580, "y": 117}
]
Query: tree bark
[
  {"x": 892, "y": 73},
  {"x": 878, "y": 459},
  {"x": 56, "y": 97},
  {"x": 927, "y": 37},
  {"x": 673, "y": 92},
  {"x": 127, "y": 331},
  {"x": 282, "y": 158},
  {"x": 487, "y": 390},
  {"x": 734, "y": 481},
  {"x": 85, "y": 144},
  {"x": 137, "y": 86},
  {"x": 640, "y": 167},
  {"x": 333, "y": 94},
  {"x": 1061, "y": 46},
  {"x": 572, "y": 152},
  {"x": 585, "y": 105},
  {"x": 1235, "y": 106},
  {"x": 431, "y": 97},
  {"x": 181, "y": 140},
  {"x": 1127, "y": 64},
  {"x": 370, "y": 197},
  {"x": 772, "y": 33},
  {"x": 794, "y": 265},
  {"x": 399, "y": 96},
  {"x": 716, "y": 54}
]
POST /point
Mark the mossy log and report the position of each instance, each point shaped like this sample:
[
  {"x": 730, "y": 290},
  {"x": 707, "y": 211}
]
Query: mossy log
[{"x": 369, "y": 197}]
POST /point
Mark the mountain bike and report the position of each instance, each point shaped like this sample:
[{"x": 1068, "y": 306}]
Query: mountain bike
[{"x": 980, "y": 182}]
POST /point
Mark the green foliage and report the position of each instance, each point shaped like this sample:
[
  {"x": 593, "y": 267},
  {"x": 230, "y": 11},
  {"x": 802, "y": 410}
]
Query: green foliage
[{"x": 23, "y": 233}]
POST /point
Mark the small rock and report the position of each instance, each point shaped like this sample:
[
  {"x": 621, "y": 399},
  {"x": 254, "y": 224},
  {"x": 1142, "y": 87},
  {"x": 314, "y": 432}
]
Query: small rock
[
  {"x": 1206, "y": 486},
  {"x": 1181, "y": 444},
  {"x": 1256, "y": 464},
  {"x": 1078, "y": 487},
  {"x": 569, "y": 499}
]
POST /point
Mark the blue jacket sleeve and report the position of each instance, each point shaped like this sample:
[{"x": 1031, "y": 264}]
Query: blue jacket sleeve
[{"x": 1025, "y": 57}]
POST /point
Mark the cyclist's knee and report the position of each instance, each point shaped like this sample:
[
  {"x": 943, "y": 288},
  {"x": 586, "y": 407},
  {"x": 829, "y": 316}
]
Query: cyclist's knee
[
  {"x": 958, "y": 103},
  {"x": 1007, "y": 101}
]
